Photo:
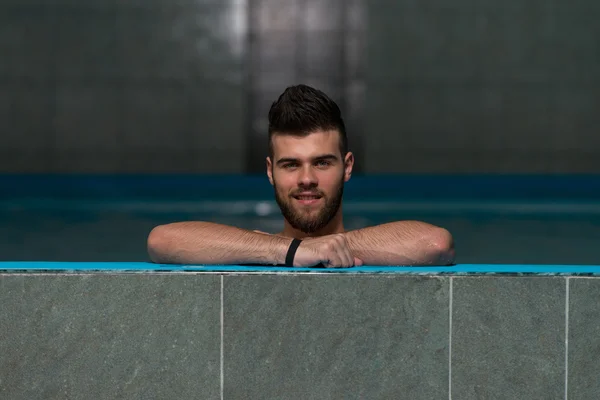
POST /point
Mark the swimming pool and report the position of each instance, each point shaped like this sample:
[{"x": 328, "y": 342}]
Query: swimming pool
[
  {"x": 494, "y": 220},
  {"x": 133, "y": 329}
]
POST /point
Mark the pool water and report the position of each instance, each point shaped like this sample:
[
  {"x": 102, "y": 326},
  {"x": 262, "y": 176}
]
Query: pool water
[{"x": 113, "y": 232}]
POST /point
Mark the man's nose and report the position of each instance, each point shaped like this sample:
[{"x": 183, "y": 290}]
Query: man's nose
[{"x": 307, "y": 177}]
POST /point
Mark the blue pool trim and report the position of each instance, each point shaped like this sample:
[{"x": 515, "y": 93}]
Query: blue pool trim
[{"x": 459, "y": 269}]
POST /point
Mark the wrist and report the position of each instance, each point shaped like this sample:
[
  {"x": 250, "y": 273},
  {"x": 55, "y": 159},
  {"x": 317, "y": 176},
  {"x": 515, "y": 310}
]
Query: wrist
[
  {"x": 279, "y": 249},
  {"x": 291, "y": 252}
]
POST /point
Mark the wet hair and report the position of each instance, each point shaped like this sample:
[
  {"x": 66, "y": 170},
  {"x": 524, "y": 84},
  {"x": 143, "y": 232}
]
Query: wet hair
[{"x": 301, "y": 110}]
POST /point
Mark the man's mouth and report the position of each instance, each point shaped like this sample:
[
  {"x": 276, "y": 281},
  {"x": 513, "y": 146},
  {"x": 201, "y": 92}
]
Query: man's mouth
[{"x": 307, "y": 198}]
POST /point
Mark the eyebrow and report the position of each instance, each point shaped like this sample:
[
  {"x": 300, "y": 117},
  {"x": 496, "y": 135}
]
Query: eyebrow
[{"x": 324, "y": 157}]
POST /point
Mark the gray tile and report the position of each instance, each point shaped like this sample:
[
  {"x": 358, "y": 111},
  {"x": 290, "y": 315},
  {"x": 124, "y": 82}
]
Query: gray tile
[
  {"x": 323, "y": 15},
  {"x": 26, "y": 43},
  {"x": 445, "y": 51},
  {"x": 432, "y": 117},
  {"x": 508, "y": 338},
  {"x": 322, "y": 337},
  {"x": 570, "y": 47},
  {"x": 573, "y": 111},
  {"x": 181, "y": 43},
  {"x": 483, "y": 42},
  {"x": 109, "y": 336},
  {"x": 584, "y": 338},
  {"x": 275, "y": 58},
  {"x": 483, "y": 79},
  {"x": 218, "y": 162},
  {"x": 86, "y": 44},
  {"x": 88, "y": 118},
  {"x": 25, "y": 161},
  {"x": 472, "y": 129},
  {"x": 26, "y": 114},
  {"x": 85, "y": 161},
  {"x": 355, "y": 58},
  {"x": 155, "y": 43},
  {"x": 275, "y": 16},
  {"x": 157, "y": 4},
  {"x": 146, "y": 161},
  {"x": 577, "y": 6},
  {"x": 456, "y": 118},
  {"x": 156, "y": 118},
  {"x": 356, "y": 15},
  {"x": 324, "y": 55},
  {"x": 263, "y": 98},
  {"x": 219, "y": 118},
  {"x": 479, "y": 161},
  {"x": 13, "y": 342},
  {"x": 196, "y": 128},
  {"x": 62, "y": 4}
]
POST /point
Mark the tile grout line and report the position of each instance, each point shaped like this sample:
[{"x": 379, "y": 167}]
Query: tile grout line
[
  {"x": 450, "y": 341},
  {"x": 567, "y": 339},
  {"x": 222, "y": 329}
]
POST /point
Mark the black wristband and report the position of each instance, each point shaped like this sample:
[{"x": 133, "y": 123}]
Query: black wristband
[{"x": 289, "y": 258}]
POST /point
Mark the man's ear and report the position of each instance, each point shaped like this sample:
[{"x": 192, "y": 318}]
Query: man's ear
[
  {"x": 348, "y": 166},
  {"x": 270, "y": 170}
]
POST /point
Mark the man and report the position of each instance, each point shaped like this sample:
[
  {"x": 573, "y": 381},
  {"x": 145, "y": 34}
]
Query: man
[{"x": 307, "y": 166}]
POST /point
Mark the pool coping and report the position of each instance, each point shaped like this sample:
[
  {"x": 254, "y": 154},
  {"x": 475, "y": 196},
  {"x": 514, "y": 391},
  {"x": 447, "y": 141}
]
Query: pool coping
[{"x": 458, "y": 269}]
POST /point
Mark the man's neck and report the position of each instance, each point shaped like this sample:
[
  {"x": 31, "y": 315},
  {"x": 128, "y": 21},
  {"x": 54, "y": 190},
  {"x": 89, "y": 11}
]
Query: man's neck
[{"x": 336, "y": 225}]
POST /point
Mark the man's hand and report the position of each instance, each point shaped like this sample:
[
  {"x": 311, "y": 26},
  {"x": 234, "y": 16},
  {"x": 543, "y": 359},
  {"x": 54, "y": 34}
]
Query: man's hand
[{"x": 330, "y": 250}]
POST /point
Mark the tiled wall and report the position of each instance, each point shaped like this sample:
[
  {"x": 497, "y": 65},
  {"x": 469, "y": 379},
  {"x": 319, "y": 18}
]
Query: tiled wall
[
  {"x": 298, "y": 336},
  {"x": 483, "y": 86},
  {"x": 317, "y": 42},
  {"x": 184, "y": 86},
  {"x": 122, "y": 86},
  {"x": 162, "y": 86}
]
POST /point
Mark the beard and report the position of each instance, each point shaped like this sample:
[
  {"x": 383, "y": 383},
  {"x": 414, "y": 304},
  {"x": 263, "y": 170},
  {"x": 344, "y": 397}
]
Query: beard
[{"x": 310, "y": 221}]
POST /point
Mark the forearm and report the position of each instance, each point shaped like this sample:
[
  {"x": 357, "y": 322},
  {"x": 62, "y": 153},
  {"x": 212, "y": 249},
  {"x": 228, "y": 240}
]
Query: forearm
[
  {"x": 210, "y": 243},
  {"x": 402, "y": 243}
]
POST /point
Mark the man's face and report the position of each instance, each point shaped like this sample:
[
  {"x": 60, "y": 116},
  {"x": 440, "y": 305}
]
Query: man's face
[{"x": 308, "y": 175}]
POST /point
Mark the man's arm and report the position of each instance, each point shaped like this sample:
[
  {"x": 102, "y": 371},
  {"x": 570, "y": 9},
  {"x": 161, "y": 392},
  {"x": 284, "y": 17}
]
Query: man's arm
[
  {"x": 211, "y": 243},
  {"x": 402, "y": 243}
]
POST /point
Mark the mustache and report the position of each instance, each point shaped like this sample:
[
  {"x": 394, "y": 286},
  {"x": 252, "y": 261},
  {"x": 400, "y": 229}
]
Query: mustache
[{"x": 308, "y": 193}]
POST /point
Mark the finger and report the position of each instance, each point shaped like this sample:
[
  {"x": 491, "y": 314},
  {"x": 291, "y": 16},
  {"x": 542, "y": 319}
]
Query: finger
[
  {"x": 358, "y": 262},
  {"x": 332, "y": 260},
  {"x": 346, "y": 254},
  {"x": 328, "y": 255},
  {"x": 346, "y": 259},
  {"x": 338, "y": 257}
]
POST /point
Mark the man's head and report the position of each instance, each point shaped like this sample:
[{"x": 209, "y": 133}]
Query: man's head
[
  {"x": 308, "y": 159},
  {"x": 301, "y": 110}
]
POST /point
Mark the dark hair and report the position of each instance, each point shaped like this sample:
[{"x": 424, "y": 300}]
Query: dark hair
[{"x": 301, "y": 110}]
